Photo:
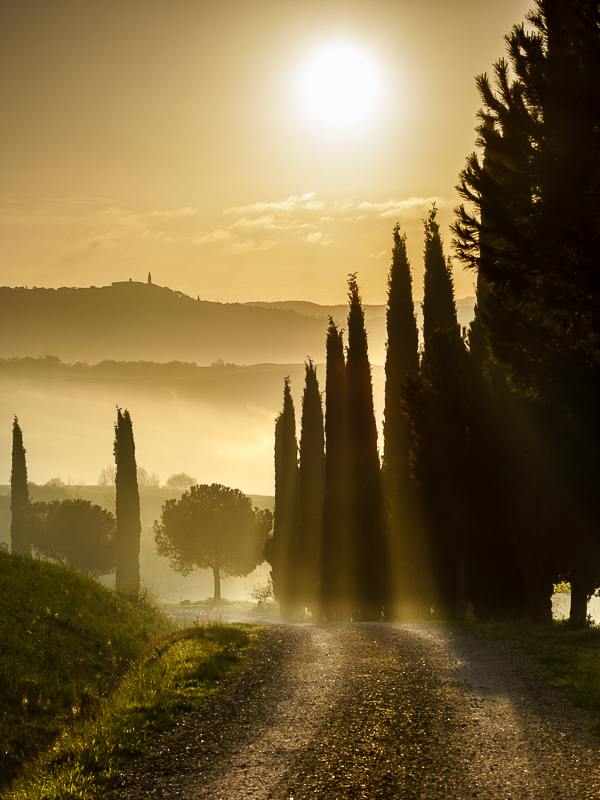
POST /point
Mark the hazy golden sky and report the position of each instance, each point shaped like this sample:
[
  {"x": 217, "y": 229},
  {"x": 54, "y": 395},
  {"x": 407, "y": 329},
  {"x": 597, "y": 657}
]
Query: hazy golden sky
[{"x": 178, "y": 136}]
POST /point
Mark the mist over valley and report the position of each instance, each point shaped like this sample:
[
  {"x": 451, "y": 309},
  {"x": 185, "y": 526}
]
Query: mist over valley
[{"x": 202, "y": 381}]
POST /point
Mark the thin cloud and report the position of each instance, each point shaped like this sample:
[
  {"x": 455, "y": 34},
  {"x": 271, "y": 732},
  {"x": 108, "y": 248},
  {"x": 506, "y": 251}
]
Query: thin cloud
[
  {"x": 410, "y": 207},
  {"x": 214, "y": 236},
  {"x": 256, "y": 208},
  {"x": 179, "y": 212},
  {"x": 317, "y": 237},
  {"x": 240, "y": 248},
  {"x": 58, "y": 203},
  {"x": 269, "y": 222},
  {"x": 107, "y": 239},
  {"x": 378, "y": 255}
]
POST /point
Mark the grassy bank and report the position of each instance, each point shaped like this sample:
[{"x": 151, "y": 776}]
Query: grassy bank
[
  {"x": 570, "y": 659},
  {"x": 65, "y": 642},
  {"x": 177, "y": 675},
  {"x": 86, "y": 674}
]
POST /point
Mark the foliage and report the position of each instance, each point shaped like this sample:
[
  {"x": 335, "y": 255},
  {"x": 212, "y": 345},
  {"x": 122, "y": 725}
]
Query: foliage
[
  {"x": 149, "y": 479},
  {"x": 334, "y": 588},
  {"x": 77, "y": 534},
  {"x": 20, "y": 523},
  {"x": 107, "y": 476},
  {"x": 311, "y": 490},
  {"x": 178, "y": 674},
  {"x": 66, "y": 640},
  {"x": 439, "y": 308},
  {"x": 262, "y": 593},
  {"x": 402, "y": 352},
  {"x": 181, "y": 480},
  {"x": 405, "y": 532},
  {"x": 530, "y": 228},
  {"x": 212, "y": 527},
  {"x": 369, "y": 577},
  {"x": 127, "y": 504},
  {"x": 282, "y": 549}
]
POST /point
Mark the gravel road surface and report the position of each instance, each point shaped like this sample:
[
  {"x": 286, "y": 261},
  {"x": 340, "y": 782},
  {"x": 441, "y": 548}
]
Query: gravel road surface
[{"x": 374, "y": 710}]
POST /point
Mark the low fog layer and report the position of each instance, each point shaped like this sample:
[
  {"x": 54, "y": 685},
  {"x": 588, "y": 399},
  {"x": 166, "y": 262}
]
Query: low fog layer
[{"x": 215, "y": 423}]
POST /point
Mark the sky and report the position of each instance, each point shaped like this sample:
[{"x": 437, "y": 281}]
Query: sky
[{"x": 239, "y": 150}]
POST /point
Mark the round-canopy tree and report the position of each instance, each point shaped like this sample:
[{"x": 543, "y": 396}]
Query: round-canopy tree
[
  {"x": 181, "y": 480},
  {"x": 76, "y": 533},
  {"x": 212, "y": 527}
]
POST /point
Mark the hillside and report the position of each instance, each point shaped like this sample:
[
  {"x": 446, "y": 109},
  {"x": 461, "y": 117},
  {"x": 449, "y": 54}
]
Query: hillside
[
  {"x": 375, "y": 318},
  {"x": 60, "y": 656},
  {"x": 134, "y": 321}
]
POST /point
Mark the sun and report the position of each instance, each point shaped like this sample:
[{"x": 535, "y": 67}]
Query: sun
[{"x": 341, "y": 87}]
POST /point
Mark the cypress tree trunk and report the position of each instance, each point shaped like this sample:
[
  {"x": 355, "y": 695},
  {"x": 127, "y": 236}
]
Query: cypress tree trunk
[
  {"x": 217, "y": 583},
  {"x": 127, "y": 507},
  {"x": 579, "y": 603},
  {"x": 336, "y": 567},
  {"x": 311, "y": 493},
  {"x": 369, "y": 552},
  {"x": 285, "y": 519},
  {"x": 20, "y": 535}
]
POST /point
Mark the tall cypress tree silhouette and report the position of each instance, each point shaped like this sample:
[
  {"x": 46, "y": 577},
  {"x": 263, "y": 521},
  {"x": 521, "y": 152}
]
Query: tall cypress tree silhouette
[
  {"x": 531, "y": 231},
  {"x": 402, "y": 361},
  {"x": 284, "y": 547},
  {"x": 439, "y": 308},
  {"x": 129, "y": 527},
  {"x": 402, "y": 353},
  {"x": 311, "y": 493},
  {"x": 336, "y": 567},
  {"x": 20, "y": 536},
  {"x": 370, "y": 562}
]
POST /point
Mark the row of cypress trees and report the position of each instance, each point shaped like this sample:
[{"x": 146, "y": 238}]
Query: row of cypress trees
[
  {"x": 530, "y": 227},
  {"x": 491, "y": 458},
  {"x": 128, "y": 531},
  {"x": 344, "y": 527}
]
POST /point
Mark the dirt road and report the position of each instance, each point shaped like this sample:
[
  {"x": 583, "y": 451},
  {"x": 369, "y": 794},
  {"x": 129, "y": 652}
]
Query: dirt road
[{"x": 375, "y": 710}]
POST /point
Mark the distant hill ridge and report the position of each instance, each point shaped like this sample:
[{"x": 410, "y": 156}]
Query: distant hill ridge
[{"x": 131, "y": 321}]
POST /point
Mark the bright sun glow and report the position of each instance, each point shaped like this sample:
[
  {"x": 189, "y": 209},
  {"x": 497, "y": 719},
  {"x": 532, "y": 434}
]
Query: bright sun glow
[{"x": 341, "y": 87}]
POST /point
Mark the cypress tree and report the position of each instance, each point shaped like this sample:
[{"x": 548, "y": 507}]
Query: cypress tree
[
  {"x": 129, "y": 527},
  {"x": 370, "y": 562},
  {"x": 336, "y": 566},
  {"x": 402, "y": 361},
  {"x": 284, "y": 547},
  {"x": 439, "y": 406},
  {"x": 439, "y": 308},
  {"x": 19, "y": 496},
  {"x": 402, "y": 352},
  {"x": 534, "y": 238},
  {"x": 311, "y": 477}
]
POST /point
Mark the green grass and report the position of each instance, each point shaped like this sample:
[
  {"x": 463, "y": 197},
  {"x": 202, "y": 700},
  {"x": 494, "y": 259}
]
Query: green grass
[
  {"x": 65, "y": 641},
  {"x": 177, "y": 675},
  {"x": 570, "y": 659},
  {"x": 86, "y": 675}
]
